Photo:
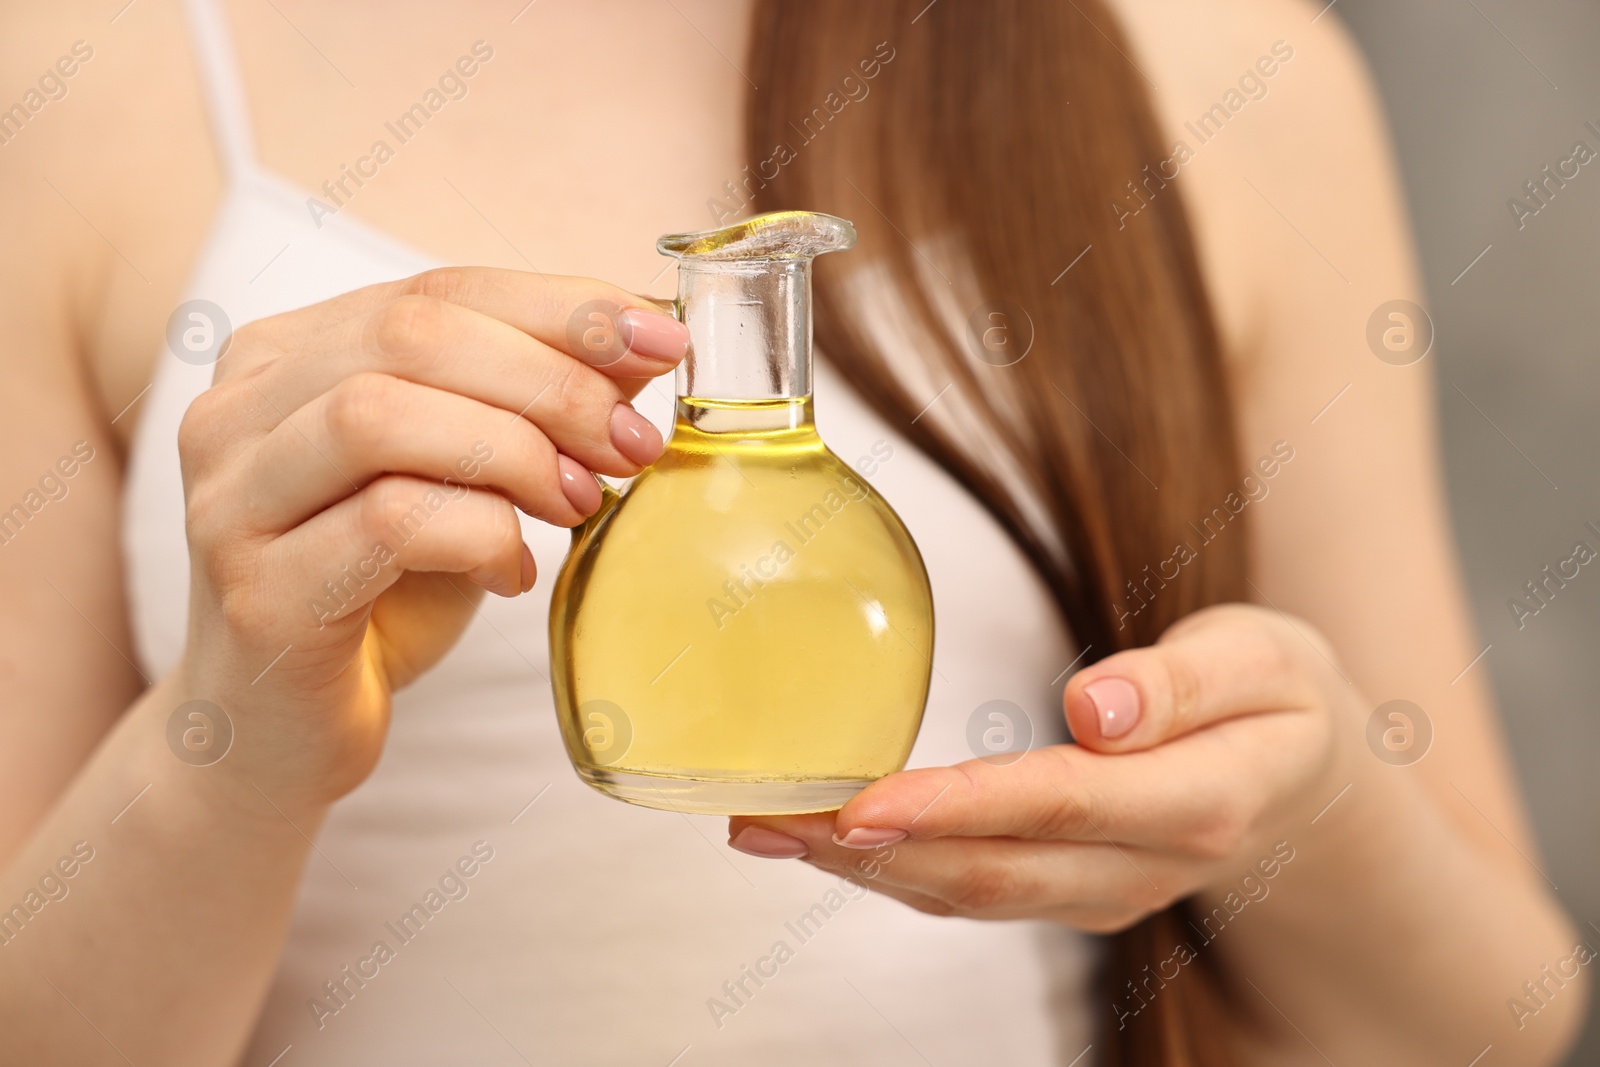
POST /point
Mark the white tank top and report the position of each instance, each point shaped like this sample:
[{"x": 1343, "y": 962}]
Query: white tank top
[{"x": 596, "y": 932}]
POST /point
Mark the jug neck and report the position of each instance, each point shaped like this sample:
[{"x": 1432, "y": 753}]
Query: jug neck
[{"x": 749, "y": 329}]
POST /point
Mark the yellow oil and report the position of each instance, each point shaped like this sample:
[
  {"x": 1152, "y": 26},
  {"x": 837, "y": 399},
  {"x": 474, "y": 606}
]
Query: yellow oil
[{"x": 748, "y": 629}]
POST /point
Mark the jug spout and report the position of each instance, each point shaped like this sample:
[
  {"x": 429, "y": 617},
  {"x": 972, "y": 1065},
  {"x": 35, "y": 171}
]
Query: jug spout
[{"x": 775, "y": 235}]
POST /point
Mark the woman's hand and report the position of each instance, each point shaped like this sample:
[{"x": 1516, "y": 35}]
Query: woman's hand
[
  {"x": 352, "y": 480},
  {"x": 1195, "y": 757}
]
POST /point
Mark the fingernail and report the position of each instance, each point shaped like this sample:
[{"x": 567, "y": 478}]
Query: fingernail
[
  {"x": 869, "y": 837},
  {"x": 527, "y": 569},
  {"x": 578, "y": 485},
  {"x": 653, "y": 335},
  {"x": 768, "y": 844},
  {"x": 1116, "y": 703},
  {"x": 634, "y": 435}
]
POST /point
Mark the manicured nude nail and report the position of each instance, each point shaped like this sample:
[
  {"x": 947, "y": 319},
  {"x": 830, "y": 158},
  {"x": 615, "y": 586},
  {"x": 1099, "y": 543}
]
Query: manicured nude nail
[
  {"x": 653, "y": 335},
  {"x": 578, "y": 485},
  {"x": 869, "y": 837},
  {"x": 634, "y": 435},
  {"x": 1116, "y": 704},
  {"x": 527, "y": 568},
  {"x": 768, "y": 844}
]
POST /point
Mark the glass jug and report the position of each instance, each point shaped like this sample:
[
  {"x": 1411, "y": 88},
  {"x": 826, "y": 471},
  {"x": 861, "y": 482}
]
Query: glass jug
[{"x": 746, "y": 628}]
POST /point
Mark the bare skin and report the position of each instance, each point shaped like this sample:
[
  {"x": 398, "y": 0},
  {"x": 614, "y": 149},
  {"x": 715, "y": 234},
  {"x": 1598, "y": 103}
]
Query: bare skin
[{"x": 194, "y": 886}]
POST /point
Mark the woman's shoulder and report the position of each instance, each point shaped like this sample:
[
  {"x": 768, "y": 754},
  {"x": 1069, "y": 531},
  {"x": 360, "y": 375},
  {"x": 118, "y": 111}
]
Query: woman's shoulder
[
  {"x": 1286, "y": 167},
  {"x": 110, "y": 181}
]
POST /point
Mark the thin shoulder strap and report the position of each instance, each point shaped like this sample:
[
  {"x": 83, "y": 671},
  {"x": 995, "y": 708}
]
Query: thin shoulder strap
[{"x": 223, "y": 87}]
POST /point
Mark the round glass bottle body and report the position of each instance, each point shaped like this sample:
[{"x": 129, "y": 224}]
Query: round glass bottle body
[{"x": 748, "y": 630}]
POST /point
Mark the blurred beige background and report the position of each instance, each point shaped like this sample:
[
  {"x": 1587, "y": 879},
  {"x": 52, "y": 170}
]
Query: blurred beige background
[{"x": 1482, "y": 94}]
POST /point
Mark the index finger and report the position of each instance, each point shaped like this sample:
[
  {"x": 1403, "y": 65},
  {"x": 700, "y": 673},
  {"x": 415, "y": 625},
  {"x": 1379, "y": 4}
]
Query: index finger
[
  {"x": 1193, "y": 789},
  {"x": 625, "y": 336},
  {"x": 1051, "y": 793}
]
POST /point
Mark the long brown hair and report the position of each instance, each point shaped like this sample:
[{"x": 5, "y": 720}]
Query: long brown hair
[{"x": 982, "y": 148}]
